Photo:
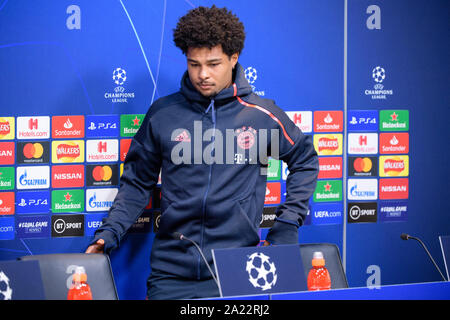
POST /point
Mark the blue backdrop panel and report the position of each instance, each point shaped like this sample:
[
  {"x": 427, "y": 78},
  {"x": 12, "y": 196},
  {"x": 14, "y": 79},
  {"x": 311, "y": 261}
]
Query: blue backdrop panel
[{"x": 59, "y": 58}]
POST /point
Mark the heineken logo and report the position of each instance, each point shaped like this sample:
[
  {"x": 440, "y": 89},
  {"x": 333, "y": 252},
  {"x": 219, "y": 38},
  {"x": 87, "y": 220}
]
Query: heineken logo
[
  {"x": 394, "y": 120},
  {"x": 67, "y": 201},
  {"x": 328, "y": 190}
]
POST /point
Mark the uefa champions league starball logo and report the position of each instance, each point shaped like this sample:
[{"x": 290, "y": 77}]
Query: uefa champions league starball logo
[
  {"x": 251, "y": 75},
  {"x": 119, "y": 76},
  {"x": 261, "y": 271},
  {"x": 5, "y": 288},
  {"x": 378, "y": 74}
]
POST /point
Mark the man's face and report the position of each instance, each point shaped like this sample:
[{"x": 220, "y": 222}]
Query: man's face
[{"x": 210, "y": 70}]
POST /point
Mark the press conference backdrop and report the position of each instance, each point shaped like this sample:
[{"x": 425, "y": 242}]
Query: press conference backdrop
[{"x": 368, "y": 80}]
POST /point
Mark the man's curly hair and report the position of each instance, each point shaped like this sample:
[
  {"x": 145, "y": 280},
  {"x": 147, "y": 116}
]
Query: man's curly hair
[{"x": 209, "y": 27}]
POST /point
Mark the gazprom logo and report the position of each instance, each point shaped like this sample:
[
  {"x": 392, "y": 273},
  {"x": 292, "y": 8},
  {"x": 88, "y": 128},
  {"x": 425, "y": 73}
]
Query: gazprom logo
[
  {"x": 100, "y": 199},
  {"x": 36, "y": 177}
]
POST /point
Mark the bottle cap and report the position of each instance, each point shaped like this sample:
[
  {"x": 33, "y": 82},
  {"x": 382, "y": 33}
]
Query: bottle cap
[
  {"x": 80, "y": 274},
  {"x": 318, "y": 260}
]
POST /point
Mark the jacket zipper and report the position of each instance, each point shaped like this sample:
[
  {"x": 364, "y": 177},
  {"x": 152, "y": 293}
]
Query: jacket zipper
[{"x": 213, "y": 117}]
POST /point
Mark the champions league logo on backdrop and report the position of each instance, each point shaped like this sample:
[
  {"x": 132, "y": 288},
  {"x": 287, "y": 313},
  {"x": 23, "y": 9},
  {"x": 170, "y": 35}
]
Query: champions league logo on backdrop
[
  {"x": 251, "y": 74},
  {"x": 119, "y": 95},
  {"x": 378, "y": 91}
]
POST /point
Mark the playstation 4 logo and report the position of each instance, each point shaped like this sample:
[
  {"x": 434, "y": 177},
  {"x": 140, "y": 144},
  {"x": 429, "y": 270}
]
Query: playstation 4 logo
[{"x": 102, "y": 126}]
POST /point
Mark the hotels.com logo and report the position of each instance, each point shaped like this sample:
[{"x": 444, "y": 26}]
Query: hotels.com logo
[
  {"x": 102, "y": 150},
  {"x": 33, "y": 127}
]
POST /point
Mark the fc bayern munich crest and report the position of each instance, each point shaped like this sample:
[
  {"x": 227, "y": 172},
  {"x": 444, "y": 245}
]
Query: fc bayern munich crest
[{"x": 245, "y": 137}]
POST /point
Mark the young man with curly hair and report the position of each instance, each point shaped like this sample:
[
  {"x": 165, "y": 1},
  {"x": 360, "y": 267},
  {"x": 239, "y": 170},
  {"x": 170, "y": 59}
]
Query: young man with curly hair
[{"x": 211, "y": 141}]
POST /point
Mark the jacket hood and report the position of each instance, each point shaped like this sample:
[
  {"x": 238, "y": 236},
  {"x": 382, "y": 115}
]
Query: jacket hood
[{"x": 240, "y": 87}]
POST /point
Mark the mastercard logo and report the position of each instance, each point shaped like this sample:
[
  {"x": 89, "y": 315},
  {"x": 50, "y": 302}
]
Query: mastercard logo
[
  {"x": 33, "y": 150},
  {"x": 102, "y": 173},
  {"x": 362, "y": 165}
]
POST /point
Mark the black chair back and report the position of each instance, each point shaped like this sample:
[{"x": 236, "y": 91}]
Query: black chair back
[
  {"x": 57, "y": 270},
  {"x": 333, "y": 262}
]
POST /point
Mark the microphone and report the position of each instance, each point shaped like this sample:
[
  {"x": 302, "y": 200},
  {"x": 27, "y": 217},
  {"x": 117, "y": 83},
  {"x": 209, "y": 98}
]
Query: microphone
[
  {"x": 405, "y": 236},
  {"x": 180, "y": 236}
]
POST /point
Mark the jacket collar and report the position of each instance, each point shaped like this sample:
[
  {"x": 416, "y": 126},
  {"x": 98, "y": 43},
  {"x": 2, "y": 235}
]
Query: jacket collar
[{"x": 240, "y": 87}]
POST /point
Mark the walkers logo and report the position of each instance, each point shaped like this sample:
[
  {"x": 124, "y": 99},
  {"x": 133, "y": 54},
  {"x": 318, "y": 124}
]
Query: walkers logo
[
  {"x": 100, "y": 199},
  {"x": 124, "y": 147},
  {"x": 67, "y": 201},
  {"x": 119, "y": 95},
  {"x": 33, "y": 127},
  {"x": 302, "y": 119},
  {"x": 33, "y": 227},
  {"x": 102, "y": 126},
  {"x": 6, "y": 203},
  {"x": 273, "y": 169},
  {"x": 328, "y": 190},
  {"x": 397, "y": 142},
  {"x": 362, "y": 166},
  {"x": 67, "y": 225},
  {"x": 33, "y": 202},
  {"x": 393, "y": 211},
  {"x": 394, "y": 188},
  {"x": 328, "y": 121},
  {"x": 328, "y": 144},
  {"x": 329, "y": 213},
  {"x": 98, "y": 175},
  {"x": 67, "y": 127},
  {"x": 394, "y": 166},
  {"x": 7, "y": 152},
  {"x": 7, "y": 178},
  {"x": 330, "y": 168},
  {"x": 68, "y": 151},
  {"x": 362, "y": 189},
  {"x": 362, "y": 212},
  {"x": 130, "y": 124},
  {"x": 7, "y": 230},
  {"x": 363, "y": 120},
  {"x": 35, "y": 177},
  {"x": 71, "y": 176},
  {"x": 378, "y": 91},
  {"x": 93, "y": 221},
  {"x": 362, "y": 143},
  {"x": 33, "y": 152},
  {"x": 394, "y": 120},
  {"x": 7, "y": 128},
  {"x": 102, "y": 150},
  {"x": 273, "y": 193}
]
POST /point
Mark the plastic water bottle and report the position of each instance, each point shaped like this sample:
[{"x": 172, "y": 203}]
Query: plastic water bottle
[
  {"x": 318, "y": 277},
  {"x": 79, "y": 290}
]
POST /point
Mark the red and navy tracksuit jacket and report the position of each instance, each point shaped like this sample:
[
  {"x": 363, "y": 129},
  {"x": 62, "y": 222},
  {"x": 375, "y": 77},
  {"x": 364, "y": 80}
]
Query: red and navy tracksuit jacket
[{"x": 211, "y": 195}]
